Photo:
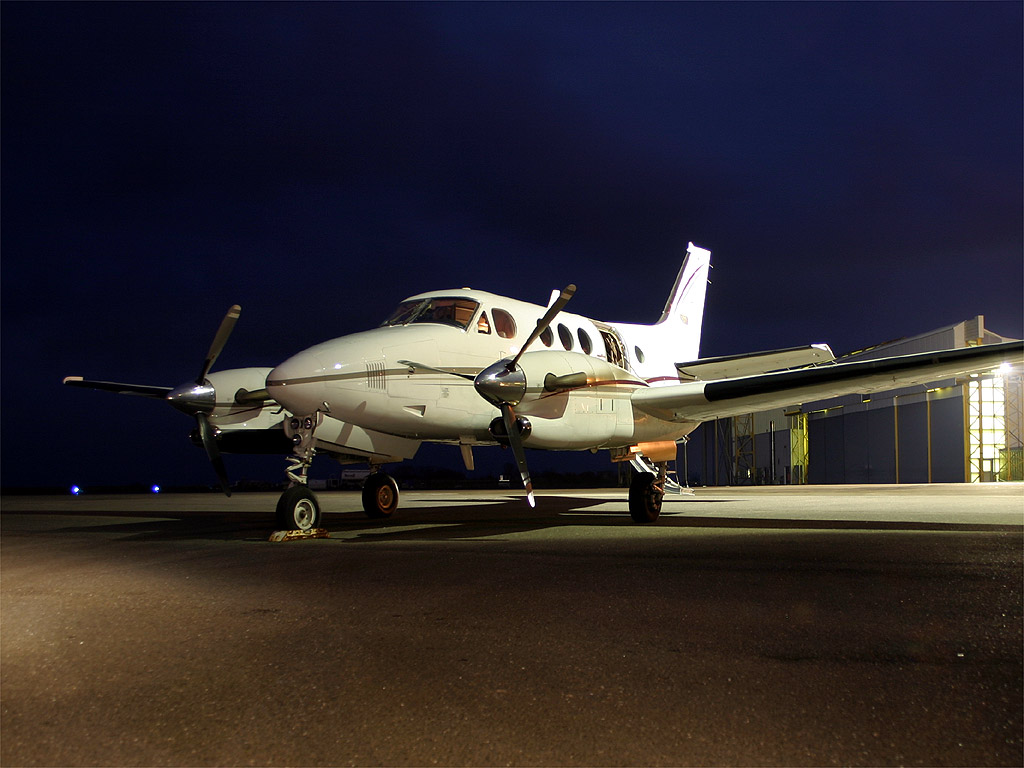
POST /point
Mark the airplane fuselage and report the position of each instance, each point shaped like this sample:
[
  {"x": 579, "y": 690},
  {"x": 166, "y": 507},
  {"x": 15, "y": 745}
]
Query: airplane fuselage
[{"x": 366, "y": 379}]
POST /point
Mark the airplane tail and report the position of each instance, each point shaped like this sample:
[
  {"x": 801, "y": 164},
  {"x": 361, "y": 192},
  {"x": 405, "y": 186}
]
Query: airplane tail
[
  {"x": 683, "y": 315},
  {"x": 676, "y": 335}
]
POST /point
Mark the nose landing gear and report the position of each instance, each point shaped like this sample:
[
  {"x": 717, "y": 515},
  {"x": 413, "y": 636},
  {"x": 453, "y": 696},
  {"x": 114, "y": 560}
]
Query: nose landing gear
[{"x": 298, "y": 509}]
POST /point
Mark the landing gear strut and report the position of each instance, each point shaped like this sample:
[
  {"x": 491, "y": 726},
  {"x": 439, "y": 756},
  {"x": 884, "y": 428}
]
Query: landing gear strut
[
  {"x": 646, "y": 492},
  {"x": 298, "y": 509}
]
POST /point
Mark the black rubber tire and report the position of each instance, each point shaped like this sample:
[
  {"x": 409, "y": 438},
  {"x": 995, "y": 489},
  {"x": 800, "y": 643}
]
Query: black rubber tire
[
  {"x": 298, "y": 510},
  {"x": 380, "y": 496},
  {"x": 644, "y": 499}
]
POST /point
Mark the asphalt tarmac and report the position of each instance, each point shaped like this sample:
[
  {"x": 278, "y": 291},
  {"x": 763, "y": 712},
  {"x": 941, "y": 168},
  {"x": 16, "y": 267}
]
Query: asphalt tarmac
[{"x": 870, "y": 625}]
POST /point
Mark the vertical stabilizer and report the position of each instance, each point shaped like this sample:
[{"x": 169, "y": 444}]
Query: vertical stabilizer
[
  {"x": 684, "y": 309},
  {"x": 676, "y": 336}
]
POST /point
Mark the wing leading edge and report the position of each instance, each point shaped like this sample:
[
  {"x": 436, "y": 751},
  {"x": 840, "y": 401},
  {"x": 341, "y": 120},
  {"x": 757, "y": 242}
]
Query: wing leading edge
[{"x": 703, "y": 400}]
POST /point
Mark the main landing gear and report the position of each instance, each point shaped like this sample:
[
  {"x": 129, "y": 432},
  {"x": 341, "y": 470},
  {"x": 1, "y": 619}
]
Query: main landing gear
[
  {"x": 298, "y": 508},
  {"x": 380, "y": 496},
  {"x": 646, "y": 492}
]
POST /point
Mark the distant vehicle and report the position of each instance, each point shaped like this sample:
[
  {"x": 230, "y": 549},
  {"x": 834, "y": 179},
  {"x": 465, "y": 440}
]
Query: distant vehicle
[{"x": 470, "y": 368}]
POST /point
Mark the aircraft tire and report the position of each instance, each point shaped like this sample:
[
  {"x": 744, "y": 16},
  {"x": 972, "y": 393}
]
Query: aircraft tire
[
  {"x": 644, "y": 498},
  {"x": 298, "y": 510},
  {"x": 380, "y": 496}
]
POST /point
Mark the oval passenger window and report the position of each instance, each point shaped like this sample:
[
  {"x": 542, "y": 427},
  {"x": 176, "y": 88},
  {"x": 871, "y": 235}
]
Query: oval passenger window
[
  {"x": 585, "y": 343},
  {"x": 565, "y": 336}
]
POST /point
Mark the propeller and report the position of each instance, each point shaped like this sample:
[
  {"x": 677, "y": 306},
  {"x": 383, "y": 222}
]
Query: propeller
[
  {"x": 503, "y": 384},
  {"x": 197, "y": 400}
]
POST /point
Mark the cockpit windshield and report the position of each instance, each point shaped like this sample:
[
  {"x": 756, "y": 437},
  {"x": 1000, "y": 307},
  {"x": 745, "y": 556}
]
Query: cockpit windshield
[{"x": 436, "y": 309}]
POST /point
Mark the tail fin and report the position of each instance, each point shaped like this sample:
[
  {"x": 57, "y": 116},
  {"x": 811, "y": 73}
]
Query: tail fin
[
  {"x": 684, "y": 309},
  {"x": 676, "y": 336}
]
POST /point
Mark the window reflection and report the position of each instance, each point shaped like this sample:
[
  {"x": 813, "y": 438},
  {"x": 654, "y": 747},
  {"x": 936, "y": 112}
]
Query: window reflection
[
  {"x": 504, "y": 324},
  {"x": 436, "y": 309}
]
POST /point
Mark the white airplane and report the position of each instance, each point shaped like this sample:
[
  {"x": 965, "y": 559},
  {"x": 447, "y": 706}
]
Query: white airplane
[{"x": 471, "y": 368}]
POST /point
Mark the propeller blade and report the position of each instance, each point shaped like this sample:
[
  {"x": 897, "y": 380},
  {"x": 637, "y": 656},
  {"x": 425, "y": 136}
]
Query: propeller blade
[
  {"x": 226, "y": 326},
  {"x": 142, "y": 390},
  {"x": 210, "y": 444},
  {"x": 509, "y": 417},
  {"x": 421, "y": 367},
  {"x": 544, "y": 322}
]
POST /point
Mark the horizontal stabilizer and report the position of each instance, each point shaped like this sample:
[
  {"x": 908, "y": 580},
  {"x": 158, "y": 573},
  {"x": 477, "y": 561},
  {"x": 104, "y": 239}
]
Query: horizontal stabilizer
[
  {"x": 730, "y": 366},
  {"x": 704, "y": 400},
  {"x": 141, "y": 390}
]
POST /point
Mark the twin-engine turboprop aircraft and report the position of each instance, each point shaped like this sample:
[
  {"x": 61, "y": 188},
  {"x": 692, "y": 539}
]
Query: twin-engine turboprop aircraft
[{"x": 471, "y": 368}]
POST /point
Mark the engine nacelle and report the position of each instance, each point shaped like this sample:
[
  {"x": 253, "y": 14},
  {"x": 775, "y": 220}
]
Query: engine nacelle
[
  {"x": 574, "y": 401},
  {"x": 226, "y": 412}
]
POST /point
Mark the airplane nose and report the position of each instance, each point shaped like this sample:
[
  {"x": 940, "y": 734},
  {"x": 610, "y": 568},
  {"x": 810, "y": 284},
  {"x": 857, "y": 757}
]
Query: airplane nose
[{"x": 298, "y": 383}]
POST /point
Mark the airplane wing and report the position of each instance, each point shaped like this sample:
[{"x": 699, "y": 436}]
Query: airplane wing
[
  {"x": 704, "y": 400},
  {"x": 711, "y": 368}
]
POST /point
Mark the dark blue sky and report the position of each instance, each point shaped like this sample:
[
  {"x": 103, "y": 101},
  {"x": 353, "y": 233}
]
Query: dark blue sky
[{"x": 856, "y": 169}]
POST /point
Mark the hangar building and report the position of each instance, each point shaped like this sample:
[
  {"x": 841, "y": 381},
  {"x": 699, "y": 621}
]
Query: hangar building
[{"x": 967, "y": 429}]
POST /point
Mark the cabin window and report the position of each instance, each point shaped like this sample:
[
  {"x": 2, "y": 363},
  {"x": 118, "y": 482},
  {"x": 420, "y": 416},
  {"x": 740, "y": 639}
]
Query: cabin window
[
  {"x": 435, "y": 309},
  {"x": 565, "y": 336},
  {"x": 585, "y": 344},
  {"x": 482, "y": 323},
  {"x": 504, "y": 324},
  {"x": 547, "y": 337}
]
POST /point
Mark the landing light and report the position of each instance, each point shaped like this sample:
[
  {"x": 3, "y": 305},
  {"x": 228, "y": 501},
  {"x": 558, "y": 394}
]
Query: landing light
[
  {"x": 155, "y": 489},
  {"x": 75, "y": 490}
]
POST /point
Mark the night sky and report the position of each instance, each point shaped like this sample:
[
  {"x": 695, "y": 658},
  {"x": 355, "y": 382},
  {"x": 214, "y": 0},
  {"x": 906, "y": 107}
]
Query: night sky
[{"x": 856, "y": 170}]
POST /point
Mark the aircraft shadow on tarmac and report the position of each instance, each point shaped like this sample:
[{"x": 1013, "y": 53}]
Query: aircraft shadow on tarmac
[{"x": 470, "y": 518}]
